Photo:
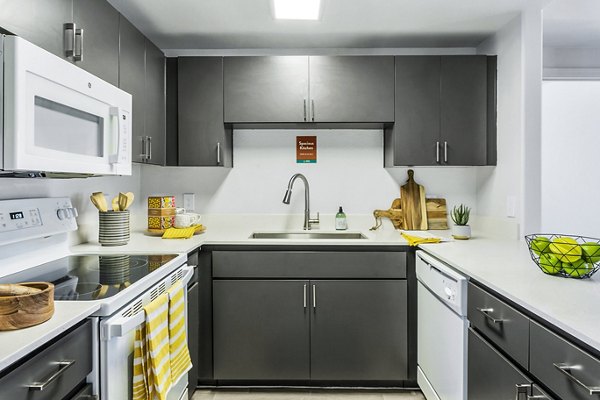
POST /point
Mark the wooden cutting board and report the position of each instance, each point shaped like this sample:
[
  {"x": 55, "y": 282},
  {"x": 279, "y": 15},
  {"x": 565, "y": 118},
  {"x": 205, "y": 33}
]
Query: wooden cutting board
[
  {"x": 414, "y": 210},
  {"x": 437, "y": 214}
]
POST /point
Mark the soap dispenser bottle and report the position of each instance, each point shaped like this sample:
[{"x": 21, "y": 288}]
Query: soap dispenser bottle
[{"x": 341, "y": 224}]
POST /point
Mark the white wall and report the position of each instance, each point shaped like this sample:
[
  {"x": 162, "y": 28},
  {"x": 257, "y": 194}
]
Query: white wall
[
  {"x": 79, "y": 191},
  {"x": 349, "y": 172},
  {"x": 570, "y": 145}
]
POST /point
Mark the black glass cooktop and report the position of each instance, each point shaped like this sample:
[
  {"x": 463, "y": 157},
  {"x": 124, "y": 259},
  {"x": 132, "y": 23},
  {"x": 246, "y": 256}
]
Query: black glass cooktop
[{"x": 91, "y": 277}]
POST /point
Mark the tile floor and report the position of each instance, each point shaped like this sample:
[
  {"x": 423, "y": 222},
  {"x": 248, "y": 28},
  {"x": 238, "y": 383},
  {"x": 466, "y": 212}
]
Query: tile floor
[{"x": 275, "y": 394}]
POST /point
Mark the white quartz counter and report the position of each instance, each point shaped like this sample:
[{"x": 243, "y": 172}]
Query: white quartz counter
[{"x": 18, "y": 343}]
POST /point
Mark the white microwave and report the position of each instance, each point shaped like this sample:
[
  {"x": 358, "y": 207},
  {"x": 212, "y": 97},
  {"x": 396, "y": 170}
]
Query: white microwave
[{"x": 58, "y": 118}]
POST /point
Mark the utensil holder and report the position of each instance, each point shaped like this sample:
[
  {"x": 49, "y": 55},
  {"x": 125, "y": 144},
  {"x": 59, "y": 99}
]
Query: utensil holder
[{"x": 114, "y": 228}]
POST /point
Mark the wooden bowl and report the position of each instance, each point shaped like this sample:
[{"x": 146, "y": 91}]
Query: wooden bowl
[{"x": 24, "y": 310}]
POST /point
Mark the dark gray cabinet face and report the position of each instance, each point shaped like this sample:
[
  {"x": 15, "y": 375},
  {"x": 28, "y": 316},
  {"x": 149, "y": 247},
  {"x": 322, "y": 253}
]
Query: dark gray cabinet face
[
  {"x": 351, "y": 89},
  {"x": 155, "y": 117},
  {"x": 358, "y": 330},
  {"x": 463, "y": 119},
  {"x": 265, "y": 89},
  {"x": 40, "y": 22},
  {"x": 261, "y": 330},
  {"x": 490, "y": 375},
  {"x": 132, "y": 74},
  {"x": 100, "y": 24},
  {"x": 193, "y": 332},
  {"x": 417, "y": 108},
  {"x": 203, "y": 139}
]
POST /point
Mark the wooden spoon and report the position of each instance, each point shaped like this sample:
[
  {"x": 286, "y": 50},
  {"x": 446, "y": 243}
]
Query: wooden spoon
[
  {"x": 125, "y": 200},
  {"x": 99, "y": 201},
  {"x": 115, "y": 204}
]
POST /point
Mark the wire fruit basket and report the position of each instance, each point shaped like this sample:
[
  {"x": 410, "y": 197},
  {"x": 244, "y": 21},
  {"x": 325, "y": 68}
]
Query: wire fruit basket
[{"x": 568, "y": 256}]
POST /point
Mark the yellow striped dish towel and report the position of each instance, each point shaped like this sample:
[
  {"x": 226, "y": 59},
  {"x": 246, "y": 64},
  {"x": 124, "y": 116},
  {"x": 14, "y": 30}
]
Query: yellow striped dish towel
[
  {"x": 182, "y": 233},
  {"x": 417, "y": 240},
  {"x": 140, "y": 371},
  {"x": 179, "y": 352}
]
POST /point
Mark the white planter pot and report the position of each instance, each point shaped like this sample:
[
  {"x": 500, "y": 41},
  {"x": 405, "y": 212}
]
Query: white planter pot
[{"x": 461, "y": 232}]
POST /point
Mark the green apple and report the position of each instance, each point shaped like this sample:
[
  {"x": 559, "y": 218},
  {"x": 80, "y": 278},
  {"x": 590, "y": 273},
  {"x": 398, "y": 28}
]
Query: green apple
[
  {"x": 591, "y": 252},
  {"x": 550, "y": 264},
  {"x": 566, "y": 249},
  {"x": 577, "y": 269},
  {"x": 540, "y": 245}
]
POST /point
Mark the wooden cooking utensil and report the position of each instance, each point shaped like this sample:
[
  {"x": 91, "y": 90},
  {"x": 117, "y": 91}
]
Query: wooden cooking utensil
[
  {"x": 125, "y": 200},
  {"x": 437, "y": 214},
  {"x": 414, "y": 211},
  {"x": 115, "y": 204},
  {"x": 99, "y": 201}
]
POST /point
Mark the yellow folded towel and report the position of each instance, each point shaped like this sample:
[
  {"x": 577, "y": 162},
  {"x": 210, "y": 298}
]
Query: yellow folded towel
[
  {"x": 140, "y": 371},
  {"x": 181, "y": 233},
  {"x": 417, "y": 240},
  {"x": 181, "y": 362}
]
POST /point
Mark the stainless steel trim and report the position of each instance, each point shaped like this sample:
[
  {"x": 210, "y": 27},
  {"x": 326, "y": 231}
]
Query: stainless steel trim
[
  {"x": 62, "y": 367},
  {"x": 437, "y": 152},
  {"x": 304, "y": 110},
  {"x": 566, "y": 370},
  {"x": 312, "y": 112},
  {"x": 523, "y": 388},
  {"x": 218, "y": 153},
  {"x": 305, "y": 296},
  {"x": 446, "y": 152},
  {"x": 78, "y": 48},
  {"x": 537, "y": 397},
  {"x": 486, "y": 312},
  {"x": 314, "y": 297},
  {"x": 69, "y": 38}
]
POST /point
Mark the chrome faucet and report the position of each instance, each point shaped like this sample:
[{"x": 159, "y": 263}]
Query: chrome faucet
[{"x": 308, "y": 222}]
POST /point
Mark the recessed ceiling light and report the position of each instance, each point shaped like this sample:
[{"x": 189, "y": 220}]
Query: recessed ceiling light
[{"x": 297, "y": 9}]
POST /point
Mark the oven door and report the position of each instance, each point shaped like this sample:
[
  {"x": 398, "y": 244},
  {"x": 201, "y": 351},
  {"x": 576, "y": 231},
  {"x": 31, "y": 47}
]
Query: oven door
[
  {"x": 60, "y": 118},
  {"x": 117, "y": 335}
]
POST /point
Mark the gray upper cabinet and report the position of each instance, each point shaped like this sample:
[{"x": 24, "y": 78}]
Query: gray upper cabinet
[
  {"x": 100, "y": 49},
  {"x": 40, "y": 22},
  {"x": 351, "y": 89},
  {"x": 203, "y": 138},
  {"x": 132, "y": 74},
  {"x": 155, "y": 114},
  {"x": 265, "y": 89},
  {"x": 444, "y": 111}
]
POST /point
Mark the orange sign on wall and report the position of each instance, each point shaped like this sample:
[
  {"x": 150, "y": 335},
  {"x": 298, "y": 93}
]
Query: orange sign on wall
[{"x": 306, "y": 149}]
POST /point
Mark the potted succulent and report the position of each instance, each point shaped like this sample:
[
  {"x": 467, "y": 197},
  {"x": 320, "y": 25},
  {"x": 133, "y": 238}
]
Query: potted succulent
[{"x": 461, "y": 229}]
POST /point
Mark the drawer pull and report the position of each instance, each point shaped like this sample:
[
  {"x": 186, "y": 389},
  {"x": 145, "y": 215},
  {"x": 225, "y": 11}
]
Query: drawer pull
[
  {"x": 523, "y": 388},
  {"x": 486, "y": 312},
  {"x": 566, "y": 369},
  {"x": 62, "y": 367},
  {"x": 538, "y": 397}
]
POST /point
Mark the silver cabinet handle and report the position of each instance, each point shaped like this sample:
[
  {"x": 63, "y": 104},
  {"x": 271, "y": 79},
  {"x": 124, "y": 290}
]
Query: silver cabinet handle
[
  {"x": 69, "y": 38},
  {"x": 314, "y": 297},
  {"x": 522, "y": 389},
  {"x": 143, "y": 155},
  {"x": 305, "y": 296},
  {"x": 78, "y": 50},
  {"x": 312, "y": 112},
  {"x": 62, "y": 367},
  {"x": 566, "y": 369},
  {"x": 437, "y": 152},
  {"x": 537, "y": 397},
  {"x": 446, "y": 152},
  {"x": 218, "y": 153},
  {"x": 304, "y": 110},
  {"x": 149, "y": 156},
  {"x": 486, "y": 312}
]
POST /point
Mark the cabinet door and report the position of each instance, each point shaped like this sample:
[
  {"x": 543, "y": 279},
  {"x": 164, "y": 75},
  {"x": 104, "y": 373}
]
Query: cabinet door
[
  {"x": 192, "y": 335},
  {"x": 416, "y": 133},
  {"x": 261, "y": 330},
  {"x": 203, "y": 139},
  {"x": 266, "y": 89},
  {"x": 155, "y": 117},
  {"x": 351, "y": 89},
  {"x": 40, "y": 22},
  {"x": 490, "y": 375},
  {"x": 132, "y": 73},
  {"x": 358, "y": 330},
  {"x": 464, "y": 109},
  {"x": 100, "y": 24}
]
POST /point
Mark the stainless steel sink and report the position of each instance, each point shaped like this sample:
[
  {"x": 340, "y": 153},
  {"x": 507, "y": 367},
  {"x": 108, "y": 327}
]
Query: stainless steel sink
[{"x": 308, "y": 235}]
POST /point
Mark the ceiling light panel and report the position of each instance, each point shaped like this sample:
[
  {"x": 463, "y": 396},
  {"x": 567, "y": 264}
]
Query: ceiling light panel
[{"x": 297, "y": 9}]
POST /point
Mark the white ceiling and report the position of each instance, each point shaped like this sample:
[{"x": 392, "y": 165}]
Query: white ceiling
[
  {"x": 572, "y": 23},
  {"x": 249, "y": 24}
]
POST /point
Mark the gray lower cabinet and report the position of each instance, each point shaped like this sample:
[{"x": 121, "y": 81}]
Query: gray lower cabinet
[
  {"x": 203, "y": 139},
  {"x": 351, "y": 88},
  {"x": 358, "y": 330},
  {"x": 100, "y": 24},
  {"x": 155, "y": 111},
  {"x": 491, "y": 376},
  {"x": 40, "y": 22},
  {"x": 261, "y": 330},
  {"x": 265, "y": 89}
]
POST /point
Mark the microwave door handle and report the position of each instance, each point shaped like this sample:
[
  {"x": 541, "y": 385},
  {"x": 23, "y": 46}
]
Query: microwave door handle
[{"x": 119, "y": 156}]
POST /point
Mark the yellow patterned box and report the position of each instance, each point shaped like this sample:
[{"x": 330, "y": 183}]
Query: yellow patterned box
[
  {"x": 161, "y": 222},
  {"x": 161, "y": 201},
  {"x": 161, "y": 212}
]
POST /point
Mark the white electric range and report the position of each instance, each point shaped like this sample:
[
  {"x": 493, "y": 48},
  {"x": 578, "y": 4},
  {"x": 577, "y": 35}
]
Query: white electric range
[{"x": 34, "y": 247}]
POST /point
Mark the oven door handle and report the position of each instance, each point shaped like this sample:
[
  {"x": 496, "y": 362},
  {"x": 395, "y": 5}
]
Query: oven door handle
[{"x": 189, "y": 272}]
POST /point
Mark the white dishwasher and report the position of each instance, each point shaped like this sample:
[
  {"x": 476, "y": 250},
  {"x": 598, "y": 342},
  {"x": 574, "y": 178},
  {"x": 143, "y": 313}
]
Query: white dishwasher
[{"x": 442, "y": 330}]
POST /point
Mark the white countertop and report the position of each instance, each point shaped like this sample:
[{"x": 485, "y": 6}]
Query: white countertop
[{"x": 18, "y": 343}]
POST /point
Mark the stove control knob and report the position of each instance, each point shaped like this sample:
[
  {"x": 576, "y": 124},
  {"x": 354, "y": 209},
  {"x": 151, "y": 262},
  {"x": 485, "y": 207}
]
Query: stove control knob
[
  {"x": 74, "y": 212},
  {"x": 61, "y": 213}
]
